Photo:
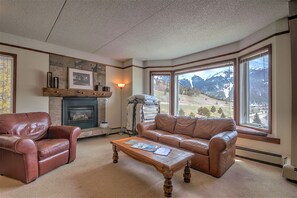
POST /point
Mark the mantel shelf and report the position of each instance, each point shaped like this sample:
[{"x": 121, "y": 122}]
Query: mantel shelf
[{"x": 75, "y": 92}]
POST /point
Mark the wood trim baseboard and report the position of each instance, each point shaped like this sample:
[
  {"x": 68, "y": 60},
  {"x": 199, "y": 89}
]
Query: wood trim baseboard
[
  {"x": 257, "y": 151},
  {"x": 260, "y": 138},
  {"x": 260, "y": 161},
  {"x": 150, "y": 67}
]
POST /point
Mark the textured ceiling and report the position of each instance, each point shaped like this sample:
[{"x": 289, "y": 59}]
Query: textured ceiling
[{"x": 140, "y": 29}]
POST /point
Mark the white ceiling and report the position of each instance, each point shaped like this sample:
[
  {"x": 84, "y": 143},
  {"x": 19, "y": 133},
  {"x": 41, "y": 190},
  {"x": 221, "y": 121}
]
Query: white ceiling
[{"x": 139, "y": 29}]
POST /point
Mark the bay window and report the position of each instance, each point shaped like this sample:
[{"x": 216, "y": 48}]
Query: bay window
[{"x": 221, "y": 90}]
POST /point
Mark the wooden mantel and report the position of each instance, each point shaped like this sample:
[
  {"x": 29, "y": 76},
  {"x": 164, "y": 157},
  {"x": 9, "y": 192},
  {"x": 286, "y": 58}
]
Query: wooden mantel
[{"x": 75, "y": 92}]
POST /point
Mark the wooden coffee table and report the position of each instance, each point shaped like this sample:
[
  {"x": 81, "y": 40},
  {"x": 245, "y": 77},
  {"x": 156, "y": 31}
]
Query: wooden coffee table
[{"x": 166, "y": 165}]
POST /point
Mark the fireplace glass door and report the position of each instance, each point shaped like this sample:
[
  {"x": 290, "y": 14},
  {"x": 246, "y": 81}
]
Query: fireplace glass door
[{"x": 82, "y": 112}]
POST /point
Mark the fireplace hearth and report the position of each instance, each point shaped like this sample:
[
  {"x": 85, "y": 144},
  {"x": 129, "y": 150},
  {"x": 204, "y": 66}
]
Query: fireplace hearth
[{"x": 82, "y": 112}]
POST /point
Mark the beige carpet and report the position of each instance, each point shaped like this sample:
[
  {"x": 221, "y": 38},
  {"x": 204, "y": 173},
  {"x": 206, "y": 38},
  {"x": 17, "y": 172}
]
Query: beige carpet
[{"x": 93, "y": 174}]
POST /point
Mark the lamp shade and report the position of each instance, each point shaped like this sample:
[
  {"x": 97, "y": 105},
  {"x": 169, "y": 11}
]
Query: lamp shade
[{"x": 121, "y": 85}]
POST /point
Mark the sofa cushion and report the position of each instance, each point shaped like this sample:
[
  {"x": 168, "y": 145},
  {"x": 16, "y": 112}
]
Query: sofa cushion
[
  {"x": 196, "y": 145},
  {"x": 185, "y": 125},
  {"x": 173, "y": 139},
  {"x": 50, "y": 147},
  {"x": 154, "y": 134},
  {"x": 207, "y": 128},
  {"x": 165, "y": 122}
]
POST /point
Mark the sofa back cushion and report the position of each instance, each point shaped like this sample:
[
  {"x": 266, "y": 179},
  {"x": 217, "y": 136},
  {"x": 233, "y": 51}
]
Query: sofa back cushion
[
  {"x": 207, "y": 128},
  {"x": 185, "y": 125},
  {"x": 165, "y": 122},
  {"x": 28, "y": 125}
]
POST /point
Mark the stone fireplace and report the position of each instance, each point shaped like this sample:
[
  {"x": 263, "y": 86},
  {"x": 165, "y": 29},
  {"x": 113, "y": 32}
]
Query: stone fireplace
[
  {"x": 82, "y": 112},
  {"x": 59, "y": 67}
]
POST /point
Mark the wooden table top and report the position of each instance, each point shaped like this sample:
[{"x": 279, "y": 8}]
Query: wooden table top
[{"x": 175, "y": 160}]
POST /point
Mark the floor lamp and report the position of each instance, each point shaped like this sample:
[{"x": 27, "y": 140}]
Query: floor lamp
[{"x": 121, "y": 86}]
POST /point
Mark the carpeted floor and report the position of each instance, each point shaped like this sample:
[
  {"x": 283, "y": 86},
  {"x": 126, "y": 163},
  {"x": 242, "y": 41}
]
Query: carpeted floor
[{"x": 93, "y": 174}]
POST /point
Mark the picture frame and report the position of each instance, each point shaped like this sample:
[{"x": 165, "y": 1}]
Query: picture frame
[{"x": 80, "y": 79}]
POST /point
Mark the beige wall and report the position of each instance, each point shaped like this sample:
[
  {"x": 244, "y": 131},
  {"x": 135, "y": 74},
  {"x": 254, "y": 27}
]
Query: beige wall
[
  {"x": 31, "y": 78},
  {"x": 127, "y": 91},
  {"x": 113, "y": 104},
  {"x": 137, "y": 81}
]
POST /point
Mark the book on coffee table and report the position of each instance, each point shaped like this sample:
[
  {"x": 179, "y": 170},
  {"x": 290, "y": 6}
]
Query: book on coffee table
[
  {"x": 162, "y": 151},
  {"x": 143, "y": 146}
]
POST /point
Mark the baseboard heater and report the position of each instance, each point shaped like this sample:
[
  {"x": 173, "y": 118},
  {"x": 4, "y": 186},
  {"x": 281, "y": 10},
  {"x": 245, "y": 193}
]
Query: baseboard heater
[{"x": 259, "y": 156}]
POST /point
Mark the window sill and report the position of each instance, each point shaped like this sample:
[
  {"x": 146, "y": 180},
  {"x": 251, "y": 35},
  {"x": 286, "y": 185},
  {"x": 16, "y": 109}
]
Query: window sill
[{"x": 252, "y": 134}]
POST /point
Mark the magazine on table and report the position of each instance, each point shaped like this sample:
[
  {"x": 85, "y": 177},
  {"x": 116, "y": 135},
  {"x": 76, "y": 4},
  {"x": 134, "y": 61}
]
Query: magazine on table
[
  {"x": 142, "y": 146},
  {"x": 162, "y": 151},
  {"x": 131, "y": 142}
]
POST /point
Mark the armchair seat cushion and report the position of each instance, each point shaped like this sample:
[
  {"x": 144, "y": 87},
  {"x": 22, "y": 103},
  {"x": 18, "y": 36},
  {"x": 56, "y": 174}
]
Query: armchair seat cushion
[
  {"x": 196, "y": 145},
  {"x": 50, "y": 147},
  {"x": 154, "y": 134},
  {"x": 173, "y": 139}
]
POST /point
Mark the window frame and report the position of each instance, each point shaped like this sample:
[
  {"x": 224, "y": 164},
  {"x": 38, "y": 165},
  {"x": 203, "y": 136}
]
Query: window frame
[
  {"x": 203, "y": 67},
  {"x": 253, "y": 54},
  {"x": 14, "y": 80},
  {"x": 171, "y": 92}
]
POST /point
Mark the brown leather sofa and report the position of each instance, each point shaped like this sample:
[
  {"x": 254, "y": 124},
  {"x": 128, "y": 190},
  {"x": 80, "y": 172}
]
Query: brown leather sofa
[
  {"x": 212, "y": 140},
  {"x": 31, "y": 147}
]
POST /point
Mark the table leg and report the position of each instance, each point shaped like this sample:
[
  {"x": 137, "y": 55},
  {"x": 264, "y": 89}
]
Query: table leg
[
  {"x": 187, "y": 173},
  {"x": 167, "y": 183},
  {"x": 115, "y": 156}
]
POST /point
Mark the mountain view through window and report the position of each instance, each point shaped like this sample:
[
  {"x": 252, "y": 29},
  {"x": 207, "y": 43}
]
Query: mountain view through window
[
  {"x": 255, "y": 92},
  {"x": 161, "y": 89},
  {"x": 206, "y": 93}
]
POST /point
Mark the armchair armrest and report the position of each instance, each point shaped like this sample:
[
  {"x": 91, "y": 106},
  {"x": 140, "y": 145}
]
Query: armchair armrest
[
  {"x": 67, "y": 132},
  {"x": 18, "y": 158},
  {"x": 145, "y": 126},
  {"x": 17, "y": 144}
]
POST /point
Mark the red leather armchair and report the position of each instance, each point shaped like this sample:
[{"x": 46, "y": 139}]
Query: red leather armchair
[{"x": 31, "y": 147}]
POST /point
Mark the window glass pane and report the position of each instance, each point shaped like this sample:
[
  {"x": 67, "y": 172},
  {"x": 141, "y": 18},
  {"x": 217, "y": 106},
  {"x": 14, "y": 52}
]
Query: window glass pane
[
  {"x": 256, "y": 108},
  {"x": 6, "y": 86},
  {"x": 161, "y": 89},
  {"x": 206, "y": 93}
]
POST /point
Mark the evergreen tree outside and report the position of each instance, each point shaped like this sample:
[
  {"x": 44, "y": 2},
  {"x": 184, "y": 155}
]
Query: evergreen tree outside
[
  {"x": 220, "y": 110},
  {"x": 206, "y": 112},
  {"x": 181, "y": 112},
  {"x": 223, "y": 115},
  {"x": 257, "y": 119},
  {"x": 200, "y": 111},
  {"x": 192, "y": 114},
  {"x": 213, "y": 109}
]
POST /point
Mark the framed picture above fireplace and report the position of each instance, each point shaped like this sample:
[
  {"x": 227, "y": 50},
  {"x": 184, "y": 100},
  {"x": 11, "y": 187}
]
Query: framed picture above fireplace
[{"x": 80, "y": 79}]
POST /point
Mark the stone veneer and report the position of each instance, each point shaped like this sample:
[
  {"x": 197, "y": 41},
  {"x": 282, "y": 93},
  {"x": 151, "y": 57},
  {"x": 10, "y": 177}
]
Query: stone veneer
[{"x": 59, "y": 65}]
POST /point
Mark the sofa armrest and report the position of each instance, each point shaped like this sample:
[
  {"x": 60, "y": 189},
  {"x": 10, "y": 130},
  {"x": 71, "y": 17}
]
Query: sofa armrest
[
  {"x": 17, "y": 144},
  {"x": 222, "y": 152},
  {"x": 223, "y": 141},
  {"x": 67, "y": 132},
  {"x": 141, "y": 127}
]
